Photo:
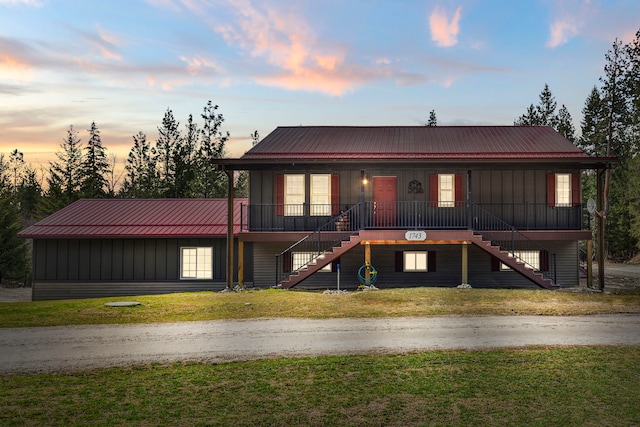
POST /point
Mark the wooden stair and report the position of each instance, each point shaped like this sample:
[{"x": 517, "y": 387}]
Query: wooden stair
[
  {"x": 533, "y": 275},
  {"x": 324, "y": 259}
]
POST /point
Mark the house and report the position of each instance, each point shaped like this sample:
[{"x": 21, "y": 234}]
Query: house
[
  {"x": 112, "y": 247},
  {"x": 491, "y": 206}
]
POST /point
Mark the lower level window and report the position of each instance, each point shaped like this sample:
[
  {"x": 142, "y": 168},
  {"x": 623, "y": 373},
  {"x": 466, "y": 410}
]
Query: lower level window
[
  {"x": 531, "y": 258},
  {"x": 196, "y": 263},
  {"x": 300, "y": 259},
  {"x": 415, "y": 261}
]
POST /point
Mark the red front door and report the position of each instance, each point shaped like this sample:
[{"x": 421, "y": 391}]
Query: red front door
[{"x": 384, "y": 201}]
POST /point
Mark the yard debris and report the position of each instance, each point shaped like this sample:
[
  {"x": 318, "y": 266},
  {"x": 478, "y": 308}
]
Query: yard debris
[
  {"x": 464, "y": 286},
  {"x": 335, "y": 292},
  {"x": 367, "y": 288}
]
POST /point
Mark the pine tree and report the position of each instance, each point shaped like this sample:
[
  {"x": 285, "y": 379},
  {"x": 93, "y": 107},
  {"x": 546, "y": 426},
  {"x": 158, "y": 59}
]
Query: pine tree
[
  {"x": 433, "y": 121},
  {"x": 184, "y": 155},
  {"x": 168, "y": 138},
  {"x": 65, "y": 174},
  {"x": 95, "y": 166},
  {"x": 593, "y": 125},
  {"x": 13, "y": 251},
  {"x": 544, "y": 114},
  {"x": 140, "y": 180},
  {"x": 213, "y": 183}
]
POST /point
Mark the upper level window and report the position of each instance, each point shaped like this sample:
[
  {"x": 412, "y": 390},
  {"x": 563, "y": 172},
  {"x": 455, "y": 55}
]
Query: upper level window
[
  {"x": 320, "y": 195},
  {"x": 563, "y": 189},
  {"x": 196, "y": 263},
  {"x": 446, "y": 192},
  {"x": 294, "y": 195}
]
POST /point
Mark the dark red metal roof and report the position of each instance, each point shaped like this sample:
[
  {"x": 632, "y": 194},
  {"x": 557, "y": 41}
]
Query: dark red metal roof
[
  {"x": 414, "y": 142},
  {"x": 139, "y": 218}
]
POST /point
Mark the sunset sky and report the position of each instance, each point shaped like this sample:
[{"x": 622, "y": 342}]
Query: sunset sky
[{"x": 122, "y": 63}]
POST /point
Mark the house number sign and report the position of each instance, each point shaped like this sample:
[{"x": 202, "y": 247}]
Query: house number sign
[{"x": 415, "y": 235}]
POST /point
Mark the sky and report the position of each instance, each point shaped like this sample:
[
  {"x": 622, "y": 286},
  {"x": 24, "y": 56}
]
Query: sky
[{"x": 123, "y": 63}]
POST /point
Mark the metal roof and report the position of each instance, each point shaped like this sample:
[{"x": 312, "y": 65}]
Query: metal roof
[
  {"x": 139, "y": 218},
  {"x": 414, "y": 143}
]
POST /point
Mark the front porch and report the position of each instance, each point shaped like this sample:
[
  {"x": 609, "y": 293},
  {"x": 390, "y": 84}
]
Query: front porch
[{"x": 409, "y": 215}]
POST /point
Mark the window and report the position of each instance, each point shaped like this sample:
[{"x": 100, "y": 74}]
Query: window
[
  {"x": 415, "y": 261},
  {"x": 300, "y": 259},
  {"x": 320, "y": 195},
  {"x": 294, "y": 195},
  {"x": 446, "y": 193},
  {"x": 531, "y": 258},
  {"x": 196, "y": 263},
  {"x": 563, "y": 189}
]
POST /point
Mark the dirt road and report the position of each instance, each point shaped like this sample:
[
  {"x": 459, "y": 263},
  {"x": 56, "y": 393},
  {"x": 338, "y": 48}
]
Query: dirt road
[{"x": 86, "y": 347}]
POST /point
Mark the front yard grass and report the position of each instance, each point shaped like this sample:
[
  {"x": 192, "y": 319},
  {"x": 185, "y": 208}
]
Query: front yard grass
[
  {"x": 297, "y": 304},
  {"x": 536, "y": 386}
]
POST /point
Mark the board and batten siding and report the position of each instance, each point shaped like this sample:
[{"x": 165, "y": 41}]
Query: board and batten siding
[
  {"x": 84, "y": 268},
  {"x": 448, "y": 268}
]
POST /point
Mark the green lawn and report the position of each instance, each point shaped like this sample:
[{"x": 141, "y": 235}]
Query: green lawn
[
  {"x": 535, "y": 386},
  {"x": 570, "y": 386},
  {"x": 279, "y": 303}
]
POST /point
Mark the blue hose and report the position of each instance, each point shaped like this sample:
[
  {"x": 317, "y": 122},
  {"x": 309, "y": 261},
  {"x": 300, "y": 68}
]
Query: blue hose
[{"x": 373, "y": 275}]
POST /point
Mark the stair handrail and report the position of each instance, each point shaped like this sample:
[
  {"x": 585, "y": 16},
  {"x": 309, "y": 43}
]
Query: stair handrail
[
  {"x": 314, "y": 243},
  {"x": 515, "y": 235}
]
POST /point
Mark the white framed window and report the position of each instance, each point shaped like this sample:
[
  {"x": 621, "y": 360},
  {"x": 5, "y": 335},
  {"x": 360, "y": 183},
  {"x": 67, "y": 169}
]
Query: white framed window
[
  {"x": 532, "y": 259},
  {"x": 196, "y": 263},
  {"x": 294, "y": 195},
  {"x": 563, "y": 189},
  {"x": 415, "y": 261},
  {"x": 446, "y": 192},
  {"x": 320, "y": 195},
  {"x": 300, "y": 259}
]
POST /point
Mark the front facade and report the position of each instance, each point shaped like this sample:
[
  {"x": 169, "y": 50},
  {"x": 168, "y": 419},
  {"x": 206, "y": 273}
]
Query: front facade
[{"x": 414, "y": 206}]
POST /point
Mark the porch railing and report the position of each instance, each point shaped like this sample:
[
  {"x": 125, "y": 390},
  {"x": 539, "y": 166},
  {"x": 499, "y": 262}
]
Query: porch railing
[
  {"x": 411, "y": 215},
  {"x": 511, "y": 240},
  {"x": 311, "y": 247}
]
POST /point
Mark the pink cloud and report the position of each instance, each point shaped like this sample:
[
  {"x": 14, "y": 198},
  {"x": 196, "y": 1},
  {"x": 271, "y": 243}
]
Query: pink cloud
[
  {"x": 561, "y": 31},
  {"x": 444, "y": 31}
]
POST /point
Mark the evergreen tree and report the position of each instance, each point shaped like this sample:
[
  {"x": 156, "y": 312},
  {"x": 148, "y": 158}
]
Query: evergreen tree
[
  {"x": 169, "y": 138},
  {"x": 184, "y": 155},
  {"x": 544, "y": 114},
  {"x": 16, "y": 161},
  {"x": 213, "y": 183},
  {"x": 13, "y": 251},
  {"x": 65, "y": 174},
  {"x": 433, "y": 121},
  {"x": 95, "y": 166},
  {"x": 29, "y": 196},
  {"x": 593, "y": 125},
  {"x": 140, "y": 180}
]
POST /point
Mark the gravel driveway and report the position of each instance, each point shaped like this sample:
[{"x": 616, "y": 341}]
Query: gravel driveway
[{"x": 85, "y": 347}]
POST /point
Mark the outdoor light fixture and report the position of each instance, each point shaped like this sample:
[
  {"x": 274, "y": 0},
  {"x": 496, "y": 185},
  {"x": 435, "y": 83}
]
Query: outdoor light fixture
[{"x": 363, "y": 176}]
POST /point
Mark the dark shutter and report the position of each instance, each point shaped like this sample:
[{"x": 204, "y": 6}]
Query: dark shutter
[
  {"x": 433, "y": 189},
  {"x": 287, "y": 262},
  {"x": 544, "y": 260},
  {"x": 399, "y": 261},
  {"x": 280, "y": 195},
  {"x": 335, "y": 194},
  {"x": 495, "y": 264},
  {"x": 575, "y": 189},
  {"x": 551, "y": 189},
  {"x": 431, "y": 256},
  {"x": 457, "y": 182}
]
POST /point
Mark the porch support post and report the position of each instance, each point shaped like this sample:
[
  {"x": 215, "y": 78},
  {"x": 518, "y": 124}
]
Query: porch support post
[
  {"x": 241, "y": 264},
  {"x": 230, "y": 257},
  {"x": 465, "y": 263},
  {"x": 367, "y": 263},
  {"x": 601, "y": 212},
  {"x": 589, "y": 264}
]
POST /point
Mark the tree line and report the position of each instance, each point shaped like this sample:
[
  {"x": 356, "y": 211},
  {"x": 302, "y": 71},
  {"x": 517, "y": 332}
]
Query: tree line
[{"x": 177, "y": 165}]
